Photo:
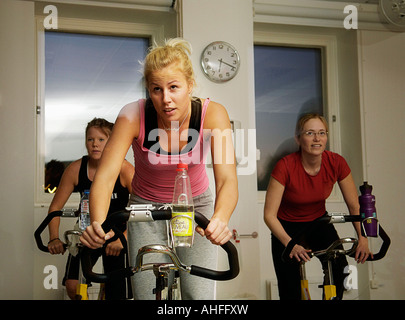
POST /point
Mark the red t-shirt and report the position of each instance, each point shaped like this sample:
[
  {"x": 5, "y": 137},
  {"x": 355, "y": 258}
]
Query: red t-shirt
[{"x": 304, "y": 195}]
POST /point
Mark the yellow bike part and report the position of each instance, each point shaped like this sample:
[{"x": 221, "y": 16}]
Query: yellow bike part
[
  {"x": 330, "y": 292},
  {"x": 305, "y": 290},
  {"x": 81, "y": 292}
]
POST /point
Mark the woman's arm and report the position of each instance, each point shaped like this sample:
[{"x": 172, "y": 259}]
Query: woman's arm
[
  {"x": 63, "y": 192},
  {"x": 127, "y": 172},
  {"x": 350, "y": 196},
  {"x": 226, "y": 182},
  {"x": 274, "y": 194},
  {"x": 126, "y": 175},
  {"x": 126, "y": 129}
]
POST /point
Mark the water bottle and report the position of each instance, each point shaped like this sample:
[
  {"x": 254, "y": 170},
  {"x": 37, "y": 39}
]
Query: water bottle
[
  {"x": 182, "y": 222},
  {"x": 368, "y": 211},
  {"x": 84, "y": 219}
]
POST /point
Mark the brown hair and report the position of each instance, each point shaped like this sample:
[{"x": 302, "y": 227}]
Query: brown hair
[
  {"x": 306, "y": 117},
  {"x": 101, "y": 123}
]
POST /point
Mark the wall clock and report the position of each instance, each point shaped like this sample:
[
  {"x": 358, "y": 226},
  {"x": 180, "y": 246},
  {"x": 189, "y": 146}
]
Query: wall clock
[
  {"x": 394, "y": 12},
  {"x": 220, "y": 61}
]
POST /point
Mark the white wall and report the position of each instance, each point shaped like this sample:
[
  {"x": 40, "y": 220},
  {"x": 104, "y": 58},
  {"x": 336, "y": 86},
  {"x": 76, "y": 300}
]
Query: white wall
[
  {"x": 372, "y": 117},
  {"x": 17, "y": 145},
  {"x": 382, "y": 87},
  {"x": 231, "y": 21}
]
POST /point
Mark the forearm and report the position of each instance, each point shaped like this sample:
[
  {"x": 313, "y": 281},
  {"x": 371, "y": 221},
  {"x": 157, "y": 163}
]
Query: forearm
[
  {"x": 274, "y": 194},
  {"x": 354, "y": 209},
  {"x": 349, "y": 192},
  {"x": 276, "y": 228},
  {"x": 58, "y": 202},
  {"x": 100, "y": 197},
  {"x": 225, "y": 201},
  {"x": 53, "y": 227}
]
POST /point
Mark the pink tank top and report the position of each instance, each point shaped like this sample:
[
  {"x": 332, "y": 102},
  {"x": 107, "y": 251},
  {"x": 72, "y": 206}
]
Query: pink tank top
[{"x": 155, "y": 173}]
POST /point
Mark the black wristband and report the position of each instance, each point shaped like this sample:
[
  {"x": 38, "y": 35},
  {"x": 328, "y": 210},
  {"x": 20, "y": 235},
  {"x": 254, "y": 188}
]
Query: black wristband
[{"x": 53, "y": 240}]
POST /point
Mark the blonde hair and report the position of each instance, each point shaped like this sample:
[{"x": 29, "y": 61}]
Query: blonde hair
[
  {"x": 306, "y": 117},
  {"x": 175, "y": 50}
]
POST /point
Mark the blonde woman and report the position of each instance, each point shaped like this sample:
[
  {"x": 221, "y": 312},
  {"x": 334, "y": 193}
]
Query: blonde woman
[{"x": 168, "y": 128}]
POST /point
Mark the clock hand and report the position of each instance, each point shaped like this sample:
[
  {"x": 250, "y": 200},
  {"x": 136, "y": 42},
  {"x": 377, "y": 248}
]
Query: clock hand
[
  {"x": 228, "y": 64},
  {"x": 220, "y": 63}
]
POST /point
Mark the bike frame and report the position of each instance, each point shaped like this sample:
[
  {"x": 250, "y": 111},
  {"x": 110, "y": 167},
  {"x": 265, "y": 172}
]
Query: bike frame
[
  {"x": 333, "y": 250},
  {"x": 150, "y": 213},
  {"x": 72, "y": 246}
]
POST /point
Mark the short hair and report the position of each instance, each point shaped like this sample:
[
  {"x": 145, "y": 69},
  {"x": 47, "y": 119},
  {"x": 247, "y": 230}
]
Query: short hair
[{"x": 104, "y": 125}]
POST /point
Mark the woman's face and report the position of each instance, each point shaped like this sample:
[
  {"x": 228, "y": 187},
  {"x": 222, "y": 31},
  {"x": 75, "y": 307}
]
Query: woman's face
[
  {"x": 96, "y": 140},
  {"x": 170, "y": 93},
  {"x": 313, "y": 138}
]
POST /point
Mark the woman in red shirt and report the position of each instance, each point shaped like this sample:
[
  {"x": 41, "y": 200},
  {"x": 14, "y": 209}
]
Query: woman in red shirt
[{"x": 298, "y": 188}]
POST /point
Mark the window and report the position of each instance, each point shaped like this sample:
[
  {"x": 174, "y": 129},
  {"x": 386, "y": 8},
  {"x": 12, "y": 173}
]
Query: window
[
  {"x": 87, "y": 76},
  {"x": 86, "y": 69},
  {"x": 288, "y": 83},
  {"x": 320, "y": 52}
]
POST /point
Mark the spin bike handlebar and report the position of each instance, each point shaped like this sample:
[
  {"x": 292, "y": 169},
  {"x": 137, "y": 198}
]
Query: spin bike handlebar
[
  {"x": 42, "y": 227},
  {"x": 339, "y": 218},
  {"x": 152, "y": 215}
]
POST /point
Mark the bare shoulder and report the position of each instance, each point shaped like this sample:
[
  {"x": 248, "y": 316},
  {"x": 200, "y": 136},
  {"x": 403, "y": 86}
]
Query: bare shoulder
[
  {"x": 71, "y": 174},
  {"x": 127, "y": 123},
  {"x": 216, "y": 116},
  {"x": 74, "y": 167},
  {"x": 214, "y": 107},
  {"x": 130, "y": 111}
]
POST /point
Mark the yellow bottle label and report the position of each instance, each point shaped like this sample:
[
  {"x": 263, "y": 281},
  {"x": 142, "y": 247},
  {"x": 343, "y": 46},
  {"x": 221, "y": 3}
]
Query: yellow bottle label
[{"x": 182, "y": 224}]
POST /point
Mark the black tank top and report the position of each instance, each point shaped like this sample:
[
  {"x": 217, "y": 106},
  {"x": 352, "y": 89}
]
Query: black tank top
[
  {"x": 119, "y": 196},
  {"x": 151, "y": 123}
]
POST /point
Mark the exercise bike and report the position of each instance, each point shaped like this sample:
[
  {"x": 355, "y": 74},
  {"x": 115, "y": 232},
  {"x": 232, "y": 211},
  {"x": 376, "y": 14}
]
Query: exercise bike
[
  {"x": 73, "y": 245},
  {"x": 333, "y": 251},
  {"x": 164, "y": 289}
]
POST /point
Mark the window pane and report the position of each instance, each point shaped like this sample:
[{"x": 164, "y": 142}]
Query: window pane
[
  {"x": 288, "y": 83},
  {"x": 87, "y": 76}
]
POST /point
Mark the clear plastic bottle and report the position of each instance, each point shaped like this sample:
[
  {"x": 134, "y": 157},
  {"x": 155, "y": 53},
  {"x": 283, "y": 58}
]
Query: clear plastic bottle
[
  {"x": 84, "y": 219},
  {"x": 182, "y": 222}
]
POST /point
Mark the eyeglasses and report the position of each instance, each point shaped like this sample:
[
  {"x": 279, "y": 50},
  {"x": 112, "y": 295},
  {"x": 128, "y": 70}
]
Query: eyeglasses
[{"x": 311, "y": 134}]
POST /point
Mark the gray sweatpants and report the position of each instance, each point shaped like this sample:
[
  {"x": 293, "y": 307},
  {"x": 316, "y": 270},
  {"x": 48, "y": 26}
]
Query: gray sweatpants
[{"x": 203, "y": 253}]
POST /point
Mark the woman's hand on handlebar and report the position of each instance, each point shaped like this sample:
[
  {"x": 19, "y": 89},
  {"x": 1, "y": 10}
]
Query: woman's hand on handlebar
[
  {"x": 56, "y": 246},
  {"x": 94, "y": 236},
  {"x": 362, "y": 250},
  {"x": 217, "y": 232},
  {"x": 300, "y": 253},
  {"x": 114, "y": 248}
]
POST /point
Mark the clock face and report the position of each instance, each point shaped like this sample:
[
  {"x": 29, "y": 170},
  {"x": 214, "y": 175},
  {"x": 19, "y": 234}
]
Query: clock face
[
  {"x": 394, "y": 12},
  {"x": 220, "y": 61}
]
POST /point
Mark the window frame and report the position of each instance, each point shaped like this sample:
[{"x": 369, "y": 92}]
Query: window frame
[
  {"x": 154, "y": 32},
  {"x": 328, "y": 46}
]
